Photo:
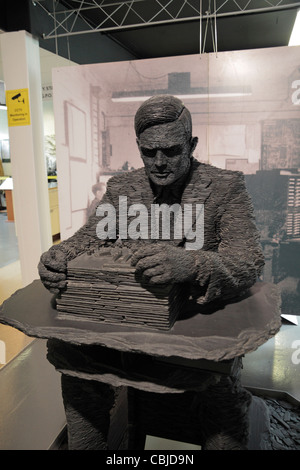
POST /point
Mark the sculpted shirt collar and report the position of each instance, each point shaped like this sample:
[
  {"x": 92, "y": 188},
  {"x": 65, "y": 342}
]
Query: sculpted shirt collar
[
  {"x": 172, "y": 193},
  {"x": 195, "y": 186}
]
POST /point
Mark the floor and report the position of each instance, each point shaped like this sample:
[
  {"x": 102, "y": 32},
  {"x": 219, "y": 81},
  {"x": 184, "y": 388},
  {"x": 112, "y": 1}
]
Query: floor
[
  {"x": 9, "y": 252},
  {"x": 27, "y": 380},
  {"x": 11, "y": 340},
  {"x": 275, "y": 366}
]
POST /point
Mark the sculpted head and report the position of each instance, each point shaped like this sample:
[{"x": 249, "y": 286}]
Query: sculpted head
[{"x": 163, "y": 127}]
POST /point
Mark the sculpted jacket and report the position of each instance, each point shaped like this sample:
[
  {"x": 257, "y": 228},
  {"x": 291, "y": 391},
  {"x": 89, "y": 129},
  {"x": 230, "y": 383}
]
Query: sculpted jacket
[{"x": 230, "y": 260}]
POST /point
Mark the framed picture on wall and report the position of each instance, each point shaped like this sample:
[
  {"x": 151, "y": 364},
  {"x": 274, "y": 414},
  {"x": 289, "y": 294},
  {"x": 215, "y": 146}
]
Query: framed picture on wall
[{"x": 75, "y": 132}]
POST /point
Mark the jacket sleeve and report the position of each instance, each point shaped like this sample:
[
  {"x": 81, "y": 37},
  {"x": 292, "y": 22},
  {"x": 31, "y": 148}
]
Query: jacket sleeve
[{"x": 238, "y": 261}]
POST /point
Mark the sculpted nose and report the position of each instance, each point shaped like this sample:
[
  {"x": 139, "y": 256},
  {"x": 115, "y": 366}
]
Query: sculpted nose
[{"x": 160, "y": 159}]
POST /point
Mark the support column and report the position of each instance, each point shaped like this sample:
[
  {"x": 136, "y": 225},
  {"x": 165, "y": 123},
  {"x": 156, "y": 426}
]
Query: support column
[{"x": 21, "y": 67}]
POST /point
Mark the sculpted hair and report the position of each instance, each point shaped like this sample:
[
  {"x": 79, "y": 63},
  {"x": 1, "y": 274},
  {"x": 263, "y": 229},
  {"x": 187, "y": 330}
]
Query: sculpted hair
[{"x": 162, "y": 109}]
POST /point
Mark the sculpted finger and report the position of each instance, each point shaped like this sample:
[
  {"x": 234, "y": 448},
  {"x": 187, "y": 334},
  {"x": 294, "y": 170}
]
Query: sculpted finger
[
  {"x": 45, "y": 258},
  {"x": 53, "y": 277},
  {"x": 50, "y": 275},
  {"x": 152, "y": 272},
  {"x": 147, "y": 263},
  {"x": 55, "y": 287},
  {"x": 137, "y": 256},
  {"x": 41, "y": 268},
  {"x": 162, "y": 279},
  {"x": 54, "y": 260},
  {"x": 144, "y": 252}
]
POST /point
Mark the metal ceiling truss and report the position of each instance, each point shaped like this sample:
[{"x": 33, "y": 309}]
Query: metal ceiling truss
[{"x": 76, "y": 17}]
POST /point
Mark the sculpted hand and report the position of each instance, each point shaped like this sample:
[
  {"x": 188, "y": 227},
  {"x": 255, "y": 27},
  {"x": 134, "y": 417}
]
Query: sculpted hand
[
  {"x": 53, "y": 269},
  {"x": 161, "y": 264}
]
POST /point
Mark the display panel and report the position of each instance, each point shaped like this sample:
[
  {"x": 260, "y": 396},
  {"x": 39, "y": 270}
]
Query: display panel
[{"x": 246, "y": 114}]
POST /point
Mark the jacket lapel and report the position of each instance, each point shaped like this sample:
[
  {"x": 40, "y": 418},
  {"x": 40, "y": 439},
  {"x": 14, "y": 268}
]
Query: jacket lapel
[
  {"x": 198, "y": 187},
  {"x": 140, "y": 191}
]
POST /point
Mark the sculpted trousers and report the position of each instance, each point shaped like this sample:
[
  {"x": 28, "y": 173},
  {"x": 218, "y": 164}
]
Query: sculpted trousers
[
  {"x": 87, "y": 405},
  {"x": 216, "y": 418}
]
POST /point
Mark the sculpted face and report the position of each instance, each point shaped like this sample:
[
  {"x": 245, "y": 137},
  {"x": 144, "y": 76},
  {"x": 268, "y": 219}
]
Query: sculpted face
[{"x": 166, "y": 152}]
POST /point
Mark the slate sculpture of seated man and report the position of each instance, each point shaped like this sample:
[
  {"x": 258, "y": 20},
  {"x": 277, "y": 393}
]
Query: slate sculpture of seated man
[
  {"x": 226, "y": 262},
  {"x": 230, "y": 258}
]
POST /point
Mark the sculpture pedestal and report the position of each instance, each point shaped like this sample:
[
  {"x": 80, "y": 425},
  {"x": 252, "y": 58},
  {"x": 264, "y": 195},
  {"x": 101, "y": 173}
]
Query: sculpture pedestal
[{"x": 191, "y": 372}]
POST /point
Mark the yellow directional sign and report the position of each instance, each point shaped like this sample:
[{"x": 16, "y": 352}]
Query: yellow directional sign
[{"x": 18, "y": 109}]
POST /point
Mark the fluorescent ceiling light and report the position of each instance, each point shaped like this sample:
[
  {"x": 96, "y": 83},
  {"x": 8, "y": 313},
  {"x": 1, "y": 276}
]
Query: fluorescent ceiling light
[
  {"x": 128, "y": 99},
  {"x": 295, "y": 36}
]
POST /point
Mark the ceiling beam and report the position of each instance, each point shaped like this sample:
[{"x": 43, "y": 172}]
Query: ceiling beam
[{"x": 61, "y": 16}]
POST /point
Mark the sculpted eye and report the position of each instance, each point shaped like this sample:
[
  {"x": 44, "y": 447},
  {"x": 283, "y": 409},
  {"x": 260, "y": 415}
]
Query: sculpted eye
[
  {"x": 173, "y": 151},
  {"x": 148, "y": 152},
  {"x": 168, "y": 152}
]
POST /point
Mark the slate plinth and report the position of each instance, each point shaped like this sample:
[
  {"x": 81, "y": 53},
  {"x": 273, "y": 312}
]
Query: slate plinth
[{"x": 199, "y": 355}]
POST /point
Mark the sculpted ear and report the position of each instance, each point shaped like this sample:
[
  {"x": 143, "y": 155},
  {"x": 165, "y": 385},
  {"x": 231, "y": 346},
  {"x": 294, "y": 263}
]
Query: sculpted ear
[
  {"x": 194, "y": 142},
  {"x": 138, "y": 144}
]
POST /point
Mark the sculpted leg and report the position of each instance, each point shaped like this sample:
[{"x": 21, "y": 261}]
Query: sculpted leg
[
  {"x": 226, "y": 416},
  {"x": 87, "y": 406}
]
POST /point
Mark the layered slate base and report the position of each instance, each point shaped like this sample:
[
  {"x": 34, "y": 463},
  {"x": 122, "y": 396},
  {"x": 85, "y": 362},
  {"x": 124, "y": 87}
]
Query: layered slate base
[{"x": 102, "y": 287}]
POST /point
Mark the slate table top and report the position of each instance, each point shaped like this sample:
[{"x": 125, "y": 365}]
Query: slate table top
[{"x": 214, "y": 333}]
